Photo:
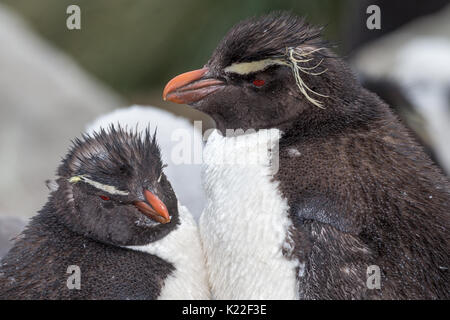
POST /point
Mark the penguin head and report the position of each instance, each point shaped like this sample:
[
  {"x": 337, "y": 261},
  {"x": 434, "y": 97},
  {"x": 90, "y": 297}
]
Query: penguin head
[
  {"x": 265, "y": 72},
  {"x": 112, "y": 188}
]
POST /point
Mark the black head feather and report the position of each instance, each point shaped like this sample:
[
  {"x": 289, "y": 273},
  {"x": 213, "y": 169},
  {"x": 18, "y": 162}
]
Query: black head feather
[
  {"x": 259, "y": 38},
  {"x": 115, "y": 150}
]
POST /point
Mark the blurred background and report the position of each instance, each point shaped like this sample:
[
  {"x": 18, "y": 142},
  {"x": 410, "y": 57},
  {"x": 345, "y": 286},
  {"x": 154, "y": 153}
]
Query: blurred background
[{"x": 55, "y": 82}]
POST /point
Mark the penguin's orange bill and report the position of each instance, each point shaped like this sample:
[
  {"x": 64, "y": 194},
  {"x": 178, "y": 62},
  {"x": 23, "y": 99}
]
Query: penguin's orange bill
[
  {"x": 155, "y": 209},
  {"x": 191, "y": 87}
]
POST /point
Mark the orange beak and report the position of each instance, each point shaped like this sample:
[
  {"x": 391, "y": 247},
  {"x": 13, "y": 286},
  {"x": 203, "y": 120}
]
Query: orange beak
[
  {"x": 157, "y": 210},
  {"x": 191, "y": 87}
]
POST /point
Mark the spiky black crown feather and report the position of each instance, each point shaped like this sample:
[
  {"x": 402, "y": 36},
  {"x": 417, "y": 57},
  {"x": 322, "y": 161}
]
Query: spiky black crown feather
[
  {"x": 113, "y": 152},
  {"x": 264, "y": 37}
]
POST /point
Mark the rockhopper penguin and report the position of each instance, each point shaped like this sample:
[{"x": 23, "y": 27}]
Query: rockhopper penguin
[
  {"x": 329, "y": 185},
  {"x": 114, "y": 216}
]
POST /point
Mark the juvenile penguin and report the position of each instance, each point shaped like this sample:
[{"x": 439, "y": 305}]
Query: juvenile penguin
[
  {"x": 329, "y": 196},
  {"x": 112, "y": 229}
]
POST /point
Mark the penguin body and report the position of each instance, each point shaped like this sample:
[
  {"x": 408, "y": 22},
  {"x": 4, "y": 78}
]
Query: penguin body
[
  {"x": 346, "y": 205},
  {"x": 366, "y": 197},
  {"x": 38, "y": 264},
  {"x": 113, "y": 227},
  {"x": 278, "y": 238}
]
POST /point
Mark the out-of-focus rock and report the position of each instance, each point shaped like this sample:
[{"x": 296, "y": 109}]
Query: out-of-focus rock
[
  {"x": 174, "y": 135},
  {"x": 379, "y": 58},
  {"x": 425, "y": 77},
  {"x": 416, "y": 59},
  {"x": 45, "y": 101}
]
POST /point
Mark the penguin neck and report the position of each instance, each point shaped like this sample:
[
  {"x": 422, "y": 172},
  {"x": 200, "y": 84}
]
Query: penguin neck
[
  {"x": 170, "y": 243},
  {"x": 182, "y": 248},
  {"x": 245, "y": 227}
]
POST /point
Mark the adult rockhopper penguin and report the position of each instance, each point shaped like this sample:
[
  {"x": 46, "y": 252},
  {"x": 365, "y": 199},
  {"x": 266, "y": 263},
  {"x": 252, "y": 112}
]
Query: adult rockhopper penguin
[
  {"x": 115, "y": 217},
  {"x": 350, "y": 188}
]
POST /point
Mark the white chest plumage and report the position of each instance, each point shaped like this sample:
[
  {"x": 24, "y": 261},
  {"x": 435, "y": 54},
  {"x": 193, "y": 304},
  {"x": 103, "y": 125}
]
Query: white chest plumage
[
  {"x": 182, "y": 247},
  {"x": 245, "y": 224}
]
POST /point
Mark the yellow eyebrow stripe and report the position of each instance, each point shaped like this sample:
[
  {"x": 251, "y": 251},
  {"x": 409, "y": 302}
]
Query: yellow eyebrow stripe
[
  {"x": 75, "y": 179},
  {"x": 104, "y": 187},
  {"x": 254, "y": 66}
]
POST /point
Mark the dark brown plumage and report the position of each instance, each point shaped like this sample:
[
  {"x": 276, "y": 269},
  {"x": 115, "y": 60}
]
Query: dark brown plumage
[{"x": 361, "y": 190}]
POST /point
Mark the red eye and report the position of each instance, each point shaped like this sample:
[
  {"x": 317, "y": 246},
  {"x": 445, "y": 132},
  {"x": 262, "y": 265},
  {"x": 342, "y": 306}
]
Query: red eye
[
  {"x": 258, "y": 83},
  {"x": 105, "y": 198}
]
